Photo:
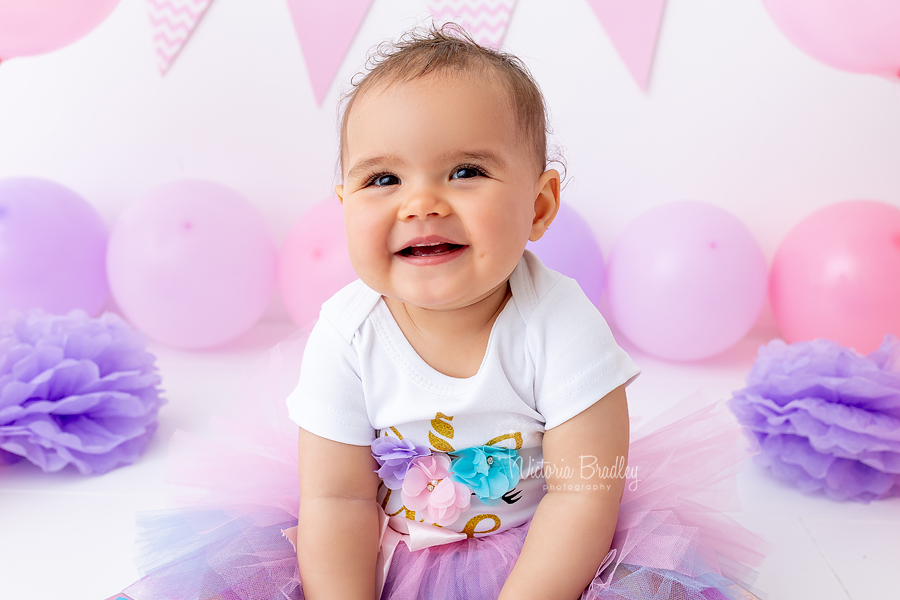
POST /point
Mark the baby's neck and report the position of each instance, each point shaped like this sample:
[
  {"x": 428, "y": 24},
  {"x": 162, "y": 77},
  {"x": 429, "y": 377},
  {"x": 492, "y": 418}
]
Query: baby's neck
[{"x": 452, "y": 342}]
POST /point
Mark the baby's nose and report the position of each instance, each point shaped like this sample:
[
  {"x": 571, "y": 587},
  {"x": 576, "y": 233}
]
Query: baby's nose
[{"x": 422, "y": 204}]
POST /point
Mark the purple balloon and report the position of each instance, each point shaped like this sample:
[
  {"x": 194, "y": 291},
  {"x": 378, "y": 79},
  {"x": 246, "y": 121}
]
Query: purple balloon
[
  {"x": 52, "y": 249},
  {"x": 569, "y": 246},
  {"x": 192, "y": 264},
  {"x": 686, "y": 281}
]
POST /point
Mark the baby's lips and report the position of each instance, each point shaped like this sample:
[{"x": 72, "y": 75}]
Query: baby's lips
[{"x": 428, "y": 240}]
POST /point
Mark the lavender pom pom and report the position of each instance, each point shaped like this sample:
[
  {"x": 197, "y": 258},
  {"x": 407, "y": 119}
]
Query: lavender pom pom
[
  {"x": 76, "y": 390},
  {"x": 826, "y": 417}
]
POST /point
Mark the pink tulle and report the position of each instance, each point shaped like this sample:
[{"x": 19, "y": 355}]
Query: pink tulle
[{"x": 672, "y": 542}]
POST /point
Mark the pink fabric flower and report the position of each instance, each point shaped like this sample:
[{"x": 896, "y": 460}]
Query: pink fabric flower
[{"x": 428, "y": 488}]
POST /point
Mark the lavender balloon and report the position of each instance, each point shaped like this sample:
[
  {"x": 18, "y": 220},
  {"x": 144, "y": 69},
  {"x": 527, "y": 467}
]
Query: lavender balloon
[
  {"x": 52, "y": 249},
  {"x": 686, "y": 281},
  {"x": 569, "y": 246},
  {"x": 192, "y": 264}
]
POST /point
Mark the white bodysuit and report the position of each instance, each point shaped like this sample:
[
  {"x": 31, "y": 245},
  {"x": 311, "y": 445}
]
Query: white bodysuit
[{"x": 550, "y": 356}]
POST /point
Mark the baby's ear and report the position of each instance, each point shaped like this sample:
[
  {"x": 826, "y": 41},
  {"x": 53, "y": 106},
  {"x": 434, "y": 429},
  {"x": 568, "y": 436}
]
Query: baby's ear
[
  {"x": 546, "y": 204},
  {"x": 339, "y": 191}
]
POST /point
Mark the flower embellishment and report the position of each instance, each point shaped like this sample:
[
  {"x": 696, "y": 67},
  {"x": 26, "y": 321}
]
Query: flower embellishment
[
  {"x": 489, "y": 472},
  {"x": 394, "y": 458},
  {"x": 438, "y": 486},
  {"x": 429, "y": 490}
]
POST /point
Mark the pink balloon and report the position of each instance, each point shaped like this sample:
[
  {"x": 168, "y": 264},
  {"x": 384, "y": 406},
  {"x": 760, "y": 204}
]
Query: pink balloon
[
  {"x": 569, "y": 246},
  {"x": 29, "y": 27},
  {"x": 192, "y": 264},
  {"x": 686, "y": 281},
  {"x": 52, "y": 249},
  {"x": 853, "y": 35},
  {"x": 837, "y": 275},
  {"x": 314, "y": 262}
]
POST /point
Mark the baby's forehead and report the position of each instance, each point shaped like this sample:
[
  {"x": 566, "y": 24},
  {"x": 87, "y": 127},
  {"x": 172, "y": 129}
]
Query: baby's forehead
[{"x": 366, "y": 104}]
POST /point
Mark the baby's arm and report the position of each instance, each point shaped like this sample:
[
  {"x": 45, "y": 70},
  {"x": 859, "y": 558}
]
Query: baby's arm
[
  {"x": 338, "y": 537},
  {"x": 572, "y": 528}
]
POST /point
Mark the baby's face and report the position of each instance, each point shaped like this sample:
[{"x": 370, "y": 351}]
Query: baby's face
[{"x": 439, "y": 190}]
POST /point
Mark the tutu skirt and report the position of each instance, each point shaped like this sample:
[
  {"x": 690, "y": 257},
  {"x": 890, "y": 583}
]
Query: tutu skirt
[{"x": 672, "y": 540}]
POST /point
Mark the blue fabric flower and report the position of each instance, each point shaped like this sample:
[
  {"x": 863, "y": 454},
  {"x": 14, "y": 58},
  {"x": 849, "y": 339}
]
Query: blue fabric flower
[
  {"x": 394, "y": 457},
  {"x": 489, "y": 472}
]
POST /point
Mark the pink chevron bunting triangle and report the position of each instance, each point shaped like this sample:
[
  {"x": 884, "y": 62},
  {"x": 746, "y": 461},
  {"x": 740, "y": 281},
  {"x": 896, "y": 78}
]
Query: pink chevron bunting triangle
[
  {"x": 172, "y": 22},
  {"x": 485, "y": 20},
  {"x": 326, "y": 29},
  {"x": 633, "y": 26}
]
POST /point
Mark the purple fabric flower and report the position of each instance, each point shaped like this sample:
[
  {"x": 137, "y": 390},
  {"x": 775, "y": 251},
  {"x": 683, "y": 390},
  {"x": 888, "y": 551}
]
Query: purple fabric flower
[
  {"x": 394, "y": 457},
  {"x": 76, "y": 390},
  {"x": 826, "y": 417}
]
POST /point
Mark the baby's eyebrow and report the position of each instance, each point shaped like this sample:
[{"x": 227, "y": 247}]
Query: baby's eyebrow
[
  {"x": 367, "y": 164},
  {"x": 483, "y": 156}
]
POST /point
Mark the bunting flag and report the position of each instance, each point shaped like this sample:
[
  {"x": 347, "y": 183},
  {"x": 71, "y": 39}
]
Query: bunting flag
[
  {"x": 172, "y": 22},
  {"x": 326, "y": 29},
  {"x": 485, "y": 20},
  {"x": 633, "y": 26}
]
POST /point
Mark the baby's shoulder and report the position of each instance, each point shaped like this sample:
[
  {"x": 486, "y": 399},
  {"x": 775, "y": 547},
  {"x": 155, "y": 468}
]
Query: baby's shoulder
[
  {"x": 348, "y": 308},
  {"x": 540, "y": 291}
]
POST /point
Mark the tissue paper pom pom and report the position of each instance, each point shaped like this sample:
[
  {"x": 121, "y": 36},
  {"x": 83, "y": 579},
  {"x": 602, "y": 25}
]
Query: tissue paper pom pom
[
  {"x": 76, "y": 390},
  {"x": 826, "y": 417}
]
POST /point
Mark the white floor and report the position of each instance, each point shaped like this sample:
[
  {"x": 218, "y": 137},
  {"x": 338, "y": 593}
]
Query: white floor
[{"x": 68, "y": 537}]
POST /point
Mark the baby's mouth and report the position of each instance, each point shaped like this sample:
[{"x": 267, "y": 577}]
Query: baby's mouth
[{"x": 430, "y": 249}]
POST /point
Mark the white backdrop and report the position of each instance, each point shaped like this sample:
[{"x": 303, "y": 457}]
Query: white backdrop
[{"x": 735, "y": 115}]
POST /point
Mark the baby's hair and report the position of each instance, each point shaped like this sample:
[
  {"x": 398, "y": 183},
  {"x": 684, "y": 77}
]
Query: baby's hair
[{"x": 420, "y": 52}]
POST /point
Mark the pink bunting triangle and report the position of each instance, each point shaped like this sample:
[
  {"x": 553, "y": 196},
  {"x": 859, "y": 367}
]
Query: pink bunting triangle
[
  {"x": 326, "y": 29},
  {"x": 633, "y": 26},
  {"x": 172, "y": 22},
  {"x": 485, "y": 20}
]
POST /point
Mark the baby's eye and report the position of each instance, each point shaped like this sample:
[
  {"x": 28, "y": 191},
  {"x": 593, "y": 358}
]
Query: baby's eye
[
  {"x": 466, "y": 173},
  {"x": 384, "y": 179}
]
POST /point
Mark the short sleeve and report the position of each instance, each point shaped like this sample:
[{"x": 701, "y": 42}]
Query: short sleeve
[
  {"x": 328, "y": 400},
  {"x": 576, "y": 359}
]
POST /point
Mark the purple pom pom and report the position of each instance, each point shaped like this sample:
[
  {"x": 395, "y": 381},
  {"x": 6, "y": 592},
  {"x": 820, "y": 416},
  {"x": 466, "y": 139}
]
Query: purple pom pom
[
  {"x": 76, "y": 390},
  {"x": 827, "y": 418}
]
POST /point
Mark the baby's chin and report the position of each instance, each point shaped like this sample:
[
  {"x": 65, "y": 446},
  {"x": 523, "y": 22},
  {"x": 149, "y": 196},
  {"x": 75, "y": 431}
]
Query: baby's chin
[{"x": 449, "y": 300}]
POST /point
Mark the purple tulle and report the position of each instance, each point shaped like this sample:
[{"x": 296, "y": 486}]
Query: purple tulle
[
  {"x": 826, "y": 417},
  {"x": 238, "y": 490},
  {"x": 671, "y": 543},
  {"x": 76, "y": 390}
]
